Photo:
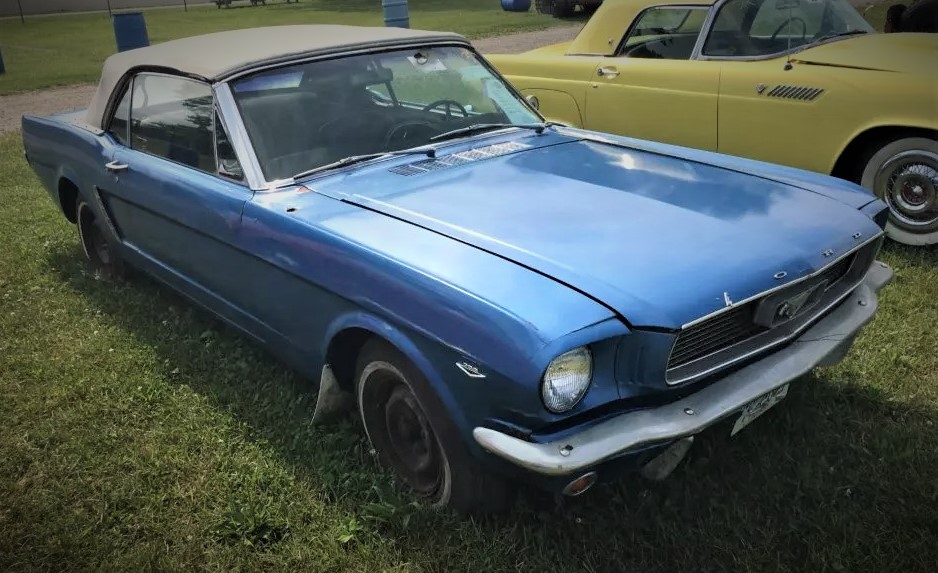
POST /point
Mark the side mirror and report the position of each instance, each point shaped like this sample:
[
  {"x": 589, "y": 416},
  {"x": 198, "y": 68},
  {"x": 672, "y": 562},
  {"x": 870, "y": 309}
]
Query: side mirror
[{"x": 533, "y": 101}]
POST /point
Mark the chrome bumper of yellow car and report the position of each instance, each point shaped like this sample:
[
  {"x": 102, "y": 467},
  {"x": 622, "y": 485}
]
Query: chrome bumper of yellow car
[{"x": 824, "y": 344}]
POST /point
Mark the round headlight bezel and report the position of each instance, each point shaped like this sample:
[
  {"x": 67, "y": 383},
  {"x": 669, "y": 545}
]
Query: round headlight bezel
[{"x": 556, "y": 395}]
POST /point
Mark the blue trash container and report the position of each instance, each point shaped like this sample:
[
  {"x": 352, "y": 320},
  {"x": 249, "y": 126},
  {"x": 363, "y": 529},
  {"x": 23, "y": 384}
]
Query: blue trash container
[
  {"x": 395, "y": 13},
  {"x": 130, "y": 30},
  {"x": 516, "y": 5}
]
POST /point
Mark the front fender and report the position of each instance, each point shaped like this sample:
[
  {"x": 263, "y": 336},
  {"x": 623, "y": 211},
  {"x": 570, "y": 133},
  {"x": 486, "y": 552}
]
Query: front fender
[{"x": 415, "y": 348}]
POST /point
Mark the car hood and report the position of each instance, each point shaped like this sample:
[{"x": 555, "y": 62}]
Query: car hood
[
  {"x": 660, "y": 240},
  {"x": 910, "y": 53}
]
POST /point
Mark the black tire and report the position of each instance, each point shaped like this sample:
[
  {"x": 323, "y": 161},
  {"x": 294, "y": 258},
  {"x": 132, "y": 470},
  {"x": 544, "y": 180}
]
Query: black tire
[
  {"x": 408, "y": 427},
  {"x": 564, "y": 8},
  {"x": 921, "y": 16},
  {"x": 556, "y": 8},
  {"x": 95, "y": 243}
]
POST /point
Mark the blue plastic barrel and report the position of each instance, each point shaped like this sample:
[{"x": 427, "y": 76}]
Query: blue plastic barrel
[
  {"x": 395, "y": 13},
  {"x": 130, "y": 30},
  {"x": 516, "y": 5}
]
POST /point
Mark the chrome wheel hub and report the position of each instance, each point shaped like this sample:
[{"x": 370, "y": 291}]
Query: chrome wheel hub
[{"x": 908, "y": 183}]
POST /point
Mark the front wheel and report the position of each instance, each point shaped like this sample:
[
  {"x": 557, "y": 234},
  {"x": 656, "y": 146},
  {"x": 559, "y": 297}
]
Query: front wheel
[
  {"x": 904, "y": 174},
  {"x": 412, "y": 435}
]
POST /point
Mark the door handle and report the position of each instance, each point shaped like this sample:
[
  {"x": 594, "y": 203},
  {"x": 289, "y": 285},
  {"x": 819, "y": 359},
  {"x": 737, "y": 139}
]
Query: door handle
[
  {"x": 114, "y": 166},
  {"x": 607, "y": 72}
]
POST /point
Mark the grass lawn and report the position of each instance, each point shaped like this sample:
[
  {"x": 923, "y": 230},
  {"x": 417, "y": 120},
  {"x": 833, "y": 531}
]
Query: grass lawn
[
  {"x": 136, "y": 433},
  {"x": 62, "y": 50}
]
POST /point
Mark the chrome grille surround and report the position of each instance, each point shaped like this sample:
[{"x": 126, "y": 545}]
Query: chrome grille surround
[{"x": 730, "y": 335}]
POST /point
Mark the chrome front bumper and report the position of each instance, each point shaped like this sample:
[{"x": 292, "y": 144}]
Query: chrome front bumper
[{"x": 824, "y": 344}]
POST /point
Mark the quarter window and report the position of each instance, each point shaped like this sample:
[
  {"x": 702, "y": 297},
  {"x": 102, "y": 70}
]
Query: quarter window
[
  {"x": 119, "y": 123},
  {"x": 665, "y": 32}
]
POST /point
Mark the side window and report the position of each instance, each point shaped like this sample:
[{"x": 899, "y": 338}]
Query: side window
[
  {"x": 173, "y": 118},
  {"x": 119, "y": 123},
  {"x": 665, "y": 32}
]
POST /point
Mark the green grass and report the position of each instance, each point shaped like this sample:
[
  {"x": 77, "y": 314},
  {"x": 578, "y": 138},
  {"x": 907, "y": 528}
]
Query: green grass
[
  {"x": 136, "y": 433},
  {"x": 62, "y": 50}
]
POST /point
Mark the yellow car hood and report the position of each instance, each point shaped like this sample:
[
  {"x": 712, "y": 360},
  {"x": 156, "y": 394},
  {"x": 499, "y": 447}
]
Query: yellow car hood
[{"x": 913, "y": 53}]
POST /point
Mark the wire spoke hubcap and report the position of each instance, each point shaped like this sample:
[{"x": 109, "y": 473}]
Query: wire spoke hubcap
[{"x": 908, "y": 183}]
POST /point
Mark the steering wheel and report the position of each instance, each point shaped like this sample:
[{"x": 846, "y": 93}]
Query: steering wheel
[
  {"x": 339, "y": 127},
  {"x": 804, "y": 27},
  {"x": 409, "y": 134},
  {"x": 448, "y": 105}
]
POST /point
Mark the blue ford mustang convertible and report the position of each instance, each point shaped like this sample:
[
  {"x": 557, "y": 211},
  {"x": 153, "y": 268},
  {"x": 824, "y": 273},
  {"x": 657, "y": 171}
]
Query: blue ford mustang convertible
[{"x": 501, "y": 299}]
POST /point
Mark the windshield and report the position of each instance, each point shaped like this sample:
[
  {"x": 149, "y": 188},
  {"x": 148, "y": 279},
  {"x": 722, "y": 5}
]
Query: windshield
[
  {"x": 305, "y": 116},
  {"x": 752, "y": 28}
]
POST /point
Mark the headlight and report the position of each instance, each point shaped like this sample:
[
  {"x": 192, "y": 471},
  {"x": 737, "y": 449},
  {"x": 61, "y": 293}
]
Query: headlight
[{"x": 566, "y": 379}]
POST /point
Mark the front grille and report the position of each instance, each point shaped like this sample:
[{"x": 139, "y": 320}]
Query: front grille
[
  {"x": 725, "y": 337},
  {"x": 723, "y": 330}
]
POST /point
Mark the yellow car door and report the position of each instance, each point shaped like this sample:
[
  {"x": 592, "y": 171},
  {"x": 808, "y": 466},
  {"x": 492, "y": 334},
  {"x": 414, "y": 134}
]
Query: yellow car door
[{"x": 651, "y": 89}]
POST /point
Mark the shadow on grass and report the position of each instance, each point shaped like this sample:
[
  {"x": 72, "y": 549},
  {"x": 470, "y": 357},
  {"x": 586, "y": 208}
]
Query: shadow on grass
[{"x": 840, "y": 477}]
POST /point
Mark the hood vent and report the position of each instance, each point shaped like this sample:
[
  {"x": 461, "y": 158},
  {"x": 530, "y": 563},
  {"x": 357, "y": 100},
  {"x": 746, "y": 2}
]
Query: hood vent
[
  {"x": 800, "y": 93},
  {"x": 460, "y": 158}
]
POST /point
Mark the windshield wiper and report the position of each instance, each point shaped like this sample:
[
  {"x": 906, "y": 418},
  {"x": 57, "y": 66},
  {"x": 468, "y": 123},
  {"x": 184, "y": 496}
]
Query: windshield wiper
[
  {"x": 353, "y": 159},
  {"x": 839, "y": 35},
  {"x": 482, "y": 127}
]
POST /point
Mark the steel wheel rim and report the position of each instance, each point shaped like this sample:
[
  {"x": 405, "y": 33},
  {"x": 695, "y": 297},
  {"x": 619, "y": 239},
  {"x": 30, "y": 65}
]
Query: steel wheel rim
[
  {"x": 411, "y": 446},
  {"x": 908, "y": 183}
]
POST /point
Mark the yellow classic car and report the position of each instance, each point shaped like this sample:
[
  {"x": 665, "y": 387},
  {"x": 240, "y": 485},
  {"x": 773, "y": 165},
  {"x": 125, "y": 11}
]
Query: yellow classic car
[{"x": 805, "y": 83}]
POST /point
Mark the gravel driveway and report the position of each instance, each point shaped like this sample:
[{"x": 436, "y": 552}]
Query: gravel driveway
[{"x": 55, "y": 100}]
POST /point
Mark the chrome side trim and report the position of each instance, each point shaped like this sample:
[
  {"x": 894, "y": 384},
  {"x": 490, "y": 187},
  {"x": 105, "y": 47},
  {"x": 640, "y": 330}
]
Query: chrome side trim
[
  {"x": 826, "y": 343},
  {"x": 240, "y": 141},
  {"x": 784, "y": 286}
]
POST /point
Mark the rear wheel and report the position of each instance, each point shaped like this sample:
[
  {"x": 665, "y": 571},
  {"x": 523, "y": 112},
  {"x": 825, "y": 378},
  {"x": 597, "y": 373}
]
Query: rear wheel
[
  {"x": 98, "y": 248},
  {"x": 408, "y": 428},
  {"x": 904, "y": 174}
]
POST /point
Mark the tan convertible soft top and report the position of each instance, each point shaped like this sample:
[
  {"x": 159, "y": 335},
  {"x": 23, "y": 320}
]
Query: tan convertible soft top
[{"x": 217, "y": 56}]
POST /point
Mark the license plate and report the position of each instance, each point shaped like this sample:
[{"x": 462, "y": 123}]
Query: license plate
[{"x": 759, "y": 406}]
